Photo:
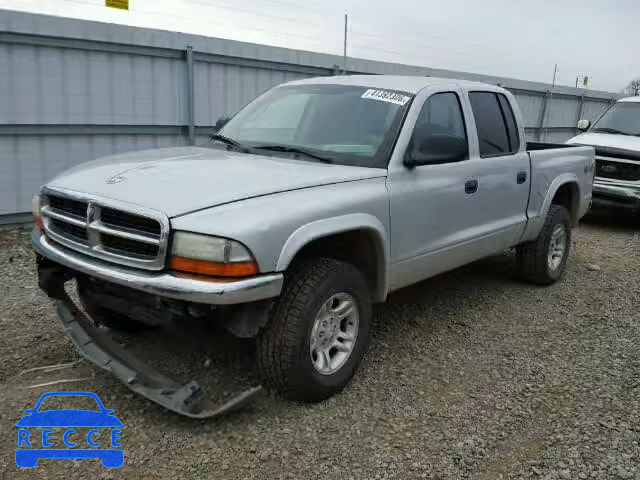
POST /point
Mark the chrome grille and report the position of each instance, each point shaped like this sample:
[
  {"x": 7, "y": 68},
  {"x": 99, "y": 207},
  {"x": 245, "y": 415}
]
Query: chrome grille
[
  {"x": 117, "y": 218},
  {"x": 109, "y": 230}
]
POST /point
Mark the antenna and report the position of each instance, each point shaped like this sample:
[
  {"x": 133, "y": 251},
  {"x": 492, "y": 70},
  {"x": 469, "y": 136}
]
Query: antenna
[{"x": 344, "y": 54}]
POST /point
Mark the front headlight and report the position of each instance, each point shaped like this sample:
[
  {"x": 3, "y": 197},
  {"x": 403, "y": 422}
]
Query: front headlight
[{"x": 207, "y": 255}]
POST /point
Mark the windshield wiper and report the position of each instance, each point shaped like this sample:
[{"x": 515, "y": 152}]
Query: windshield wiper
[
  {"x": 289, "y": 149},
  {"x": 230, "y": 142},
  {"x": 611, "y": 130}
]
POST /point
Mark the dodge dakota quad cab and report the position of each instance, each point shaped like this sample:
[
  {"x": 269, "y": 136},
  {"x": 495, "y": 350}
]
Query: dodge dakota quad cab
[
  {"x": 310, "y": 205},
  {"x": 616, "y": 138}
]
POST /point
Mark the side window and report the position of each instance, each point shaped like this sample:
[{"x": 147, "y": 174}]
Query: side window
[
  {"x": 440, "y": 122},
  {"x": 512, "y": 128},
  {"x": 441, "y": 113},
  {"x": 491, "y": 124}
]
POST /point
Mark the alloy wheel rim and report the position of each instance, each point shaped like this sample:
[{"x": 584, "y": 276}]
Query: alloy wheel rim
[
  {"x": 557, "y": 247},
  {"x": 334, "y": 333}
]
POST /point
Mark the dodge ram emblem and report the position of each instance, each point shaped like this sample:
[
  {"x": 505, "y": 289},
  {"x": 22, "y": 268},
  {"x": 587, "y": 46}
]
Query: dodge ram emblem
[{"x": 115, "y": 179}]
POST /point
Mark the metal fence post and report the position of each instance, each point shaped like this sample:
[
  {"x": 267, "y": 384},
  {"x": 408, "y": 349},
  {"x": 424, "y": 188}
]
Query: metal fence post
[
  {"x": 543, "y": 114},
  {"x": 190, "y": 97},
  {"x": 580, "y": 110}
]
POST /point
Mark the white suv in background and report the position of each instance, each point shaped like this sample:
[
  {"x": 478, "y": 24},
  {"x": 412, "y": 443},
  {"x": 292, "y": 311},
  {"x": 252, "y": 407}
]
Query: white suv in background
[{"x": 616, "y": 138}]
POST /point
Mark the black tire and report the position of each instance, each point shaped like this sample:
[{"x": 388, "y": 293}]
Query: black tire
[
  {"x": 113, "y": 320},
  {"x": 283, "y": 345},
  {"x": 532, "y": 257}
]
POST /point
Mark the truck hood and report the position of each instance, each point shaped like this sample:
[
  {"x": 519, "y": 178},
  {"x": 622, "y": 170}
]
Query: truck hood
[
  {"x": 180, "y": 180},
  {"x": 625, "y": 143}
]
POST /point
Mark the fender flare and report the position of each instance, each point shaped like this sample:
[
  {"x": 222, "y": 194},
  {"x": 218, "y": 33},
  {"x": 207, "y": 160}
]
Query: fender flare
[
  {"x": 558, "y": 182},
  {"x": 535, "y": 223},
  {"x": 341, "y": 224}
]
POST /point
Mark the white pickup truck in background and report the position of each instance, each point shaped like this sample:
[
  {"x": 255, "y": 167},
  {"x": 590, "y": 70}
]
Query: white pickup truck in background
[
  {"x": 615, "y": 135},
  {"x": 311, "y": 204}
]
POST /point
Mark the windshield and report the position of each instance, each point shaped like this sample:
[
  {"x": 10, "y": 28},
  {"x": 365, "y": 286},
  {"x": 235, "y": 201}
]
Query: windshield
[
  {"x": 343, "y": 124},
  {"x": 622, "y": 118}
]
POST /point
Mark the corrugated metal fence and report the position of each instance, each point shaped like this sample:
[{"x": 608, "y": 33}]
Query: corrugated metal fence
[{"x": 73, "y": 90}]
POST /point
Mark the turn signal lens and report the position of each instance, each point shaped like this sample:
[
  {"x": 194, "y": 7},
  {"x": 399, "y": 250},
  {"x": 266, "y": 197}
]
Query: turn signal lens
[
  {"x": 37, "y": 216},
  {"x": 216, "y": 269}
]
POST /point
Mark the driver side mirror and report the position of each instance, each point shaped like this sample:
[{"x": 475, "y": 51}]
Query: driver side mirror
[
  {"x": 583, "y": 125},
  {"x": 221, "y": 122},
  {"x": 436, "y": 148}
]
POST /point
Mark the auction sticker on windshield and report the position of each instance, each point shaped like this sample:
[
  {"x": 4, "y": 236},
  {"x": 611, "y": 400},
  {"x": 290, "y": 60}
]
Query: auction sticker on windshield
[{"x": 386, "y": 96}]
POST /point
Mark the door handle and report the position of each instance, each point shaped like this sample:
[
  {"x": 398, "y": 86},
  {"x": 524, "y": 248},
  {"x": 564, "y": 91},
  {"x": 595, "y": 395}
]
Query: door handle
[
  {"x": 521, "y": 177},
  {"x": 471, "y": 186}
]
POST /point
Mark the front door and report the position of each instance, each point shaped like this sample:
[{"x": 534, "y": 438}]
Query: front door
[{"x": 432, "y": 206}]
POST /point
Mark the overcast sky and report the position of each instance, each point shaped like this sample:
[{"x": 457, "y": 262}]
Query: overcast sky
[{"x": 514, "y": 38}]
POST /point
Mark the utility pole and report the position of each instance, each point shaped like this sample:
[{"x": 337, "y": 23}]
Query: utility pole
[
  {"x": 344, "y": 54},
  {"x": 553, "y": 84}
]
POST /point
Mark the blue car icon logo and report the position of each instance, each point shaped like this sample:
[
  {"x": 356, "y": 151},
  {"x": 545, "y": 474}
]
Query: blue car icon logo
[{"x": 102, "y": 436}]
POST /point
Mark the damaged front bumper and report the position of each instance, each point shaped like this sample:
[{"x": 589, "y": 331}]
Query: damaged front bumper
[{"x": 96, "y": 345}]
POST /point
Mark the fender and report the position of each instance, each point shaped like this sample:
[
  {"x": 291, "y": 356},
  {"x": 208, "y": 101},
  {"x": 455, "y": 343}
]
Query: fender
[
  {"x": 537, "y": 217},
  {"x": 334, "y": 225}
]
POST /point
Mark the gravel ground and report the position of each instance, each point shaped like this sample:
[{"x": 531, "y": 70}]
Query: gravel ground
[{"x": 469, "y": 375}]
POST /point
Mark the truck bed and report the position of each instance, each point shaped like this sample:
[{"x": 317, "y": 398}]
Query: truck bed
[{"x": 553, "y": 165}]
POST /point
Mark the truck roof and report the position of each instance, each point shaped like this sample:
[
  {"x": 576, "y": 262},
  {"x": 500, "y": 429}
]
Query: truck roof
[
  {"x": 409, "y": 84},
  {"x": 630, "y": 99}
]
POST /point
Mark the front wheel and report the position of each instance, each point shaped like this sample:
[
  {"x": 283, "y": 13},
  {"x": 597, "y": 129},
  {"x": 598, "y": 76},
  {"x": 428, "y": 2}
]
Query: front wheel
[
  {"x": 543, "y": 260},
  {"x": 318, "y": 331}
]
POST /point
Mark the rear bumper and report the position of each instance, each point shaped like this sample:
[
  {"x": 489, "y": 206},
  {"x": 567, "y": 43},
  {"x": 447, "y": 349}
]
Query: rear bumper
[
  {"x": 162, "y": 283},
  {"x": 618, "y": 195}
]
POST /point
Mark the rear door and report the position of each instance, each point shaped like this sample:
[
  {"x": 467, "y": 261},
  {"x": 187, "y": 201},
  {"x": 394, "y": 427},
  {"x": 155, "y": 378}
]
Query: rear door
[{"x": 502, "y": 169}]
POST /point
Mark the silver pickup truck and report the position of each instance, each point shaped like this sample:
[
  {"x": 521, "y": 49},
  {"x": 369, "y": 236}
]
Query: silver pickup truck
[{"x": 310, "y": 205}]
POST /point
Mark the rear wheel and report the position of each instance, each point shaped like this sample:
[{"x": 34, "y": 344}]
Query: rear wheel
[
  {"x": 318, "y": 331},
  {"x": 543, "y": 260}
]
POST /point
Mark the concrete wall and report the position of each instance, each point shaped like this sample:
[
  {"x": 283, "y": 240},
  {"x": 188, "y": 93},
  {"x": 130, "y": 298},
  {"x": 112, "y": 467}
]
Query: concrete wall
[{"x": 73, "y": 90}]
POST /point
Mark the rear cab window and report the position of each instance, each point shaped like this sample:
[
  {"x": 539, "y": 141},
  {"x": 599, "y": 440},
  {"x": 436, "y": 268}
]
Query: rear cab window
[{"x": 495, "y": 124}]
